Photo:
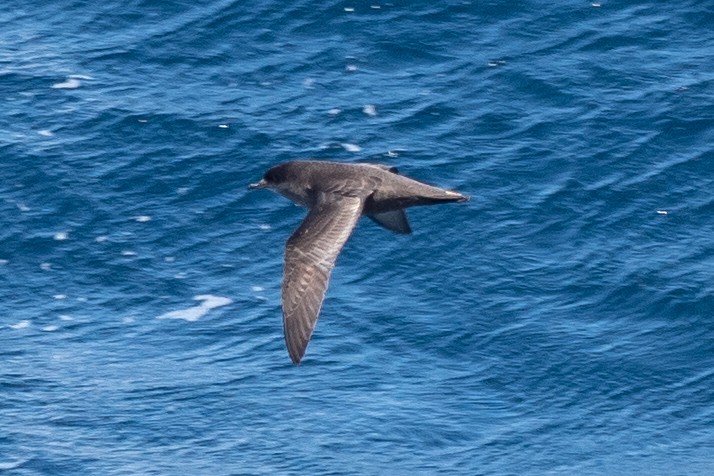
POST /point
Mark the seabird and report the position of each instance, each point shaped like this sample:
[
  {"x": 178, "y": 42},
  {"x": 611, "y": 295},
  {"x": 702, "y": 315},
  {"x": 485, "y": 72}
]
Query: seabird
[{"x": 336, "y": 194}]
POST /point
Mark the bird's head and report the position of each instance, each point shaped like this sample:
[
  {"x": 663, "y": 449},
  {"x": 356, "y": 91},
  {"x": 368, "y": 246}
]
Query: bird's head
[{"x": 273, "y": 178}]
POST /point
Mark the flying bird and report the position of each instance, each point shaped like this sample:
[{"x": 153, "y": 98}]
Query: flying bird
[{"x": 336, "y": 194}]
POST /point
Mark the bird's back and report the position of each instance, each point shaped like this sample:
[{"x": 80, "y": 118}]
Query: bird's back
[{"x": 381, "y": 187}]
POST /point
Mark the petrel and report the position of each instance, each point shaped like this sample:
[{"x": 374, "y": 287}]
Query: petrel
[{"x": 336, "y": 194}]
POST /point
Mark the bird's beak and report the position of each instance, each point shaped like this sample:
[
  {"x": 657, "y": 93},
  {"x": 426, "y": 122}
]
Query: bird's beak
[{"x": 261, "y": 184}]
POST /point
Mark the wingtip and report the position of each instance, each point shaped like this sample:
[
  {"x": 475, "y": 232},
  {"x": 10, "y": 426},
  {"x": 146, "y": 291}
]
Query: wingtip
[{"x": 295, "y": 351}]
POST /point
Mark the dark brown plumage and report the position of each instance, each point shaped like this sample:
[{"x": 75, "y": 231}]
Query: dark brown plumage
[{"x": 337, "y": 195}]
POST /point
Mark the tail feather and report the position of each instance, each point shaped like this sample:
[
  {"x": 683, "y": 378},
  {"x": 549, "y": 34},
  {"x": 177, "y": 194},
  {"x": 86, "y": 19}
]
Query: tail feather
[{"x": 445, "y": 196}]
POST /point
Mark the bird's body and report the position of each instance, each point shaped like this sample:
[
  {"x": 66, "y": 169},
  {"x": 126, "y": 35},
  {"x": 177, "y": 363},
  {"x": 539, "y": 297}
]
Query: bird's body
[{"x": 337, "y": 194}]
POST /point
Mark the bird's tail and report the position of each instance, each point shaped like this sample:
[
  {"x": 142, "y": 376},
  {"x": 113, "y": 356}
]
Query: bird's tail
[
  {"x": 433, "y": 195},
  {"x": 449, "y": 196}
]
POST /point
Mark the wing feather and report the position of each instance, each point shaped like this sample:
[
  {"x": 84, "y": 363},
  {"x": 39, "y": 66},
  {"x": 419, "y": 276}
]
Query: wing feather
[{"x": 310, "y": 256}]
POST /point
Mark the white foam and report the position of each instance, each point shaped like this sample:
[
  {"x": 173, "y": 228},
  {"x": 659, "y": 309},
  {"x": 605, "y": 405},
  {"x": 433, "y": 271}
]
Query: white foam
[
  {"x": 7, "y": 465},
  {"x": 45, "y": 266},
  {"x": 194, "y": 313},
  {"x": 334, "y": 111},
  {"x": 59, "y": 297},
  {"x": 4, "y": 262},
  {"x": 351, "y": 68},
  {"x": 61, "y": 236},
  {"x": 50, "y": 328},
  {"x": 351, "y": 147},
  {"x": 101, "y": 238},
  {"x": 128, "y": 253},
  {"x": 20, "y": 325},
  {"x": 142, "y": 218},
  {"x": 45, "y": 133},
  {"x": 264, "y": 226},
  {"x": 66, "y": 317},
  {"x": 370, "y": 110},
  {"x": 70, "y": 83}
]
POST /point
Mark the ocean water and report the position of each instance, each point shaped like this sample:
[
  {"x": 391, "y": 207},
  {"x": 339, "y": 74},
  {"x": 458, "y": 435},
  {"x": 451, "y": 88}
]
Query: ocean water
[{"x": 559, "y": 323}]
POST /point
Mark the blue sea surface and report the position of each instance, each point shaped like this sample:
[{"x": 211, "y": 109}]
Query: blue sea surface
[{"x": 559, "y": 323}]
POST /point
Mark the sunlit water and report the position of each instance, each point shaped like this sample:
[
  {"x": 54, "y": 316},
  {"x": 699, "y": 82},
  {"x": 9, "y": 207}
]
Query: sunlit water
[{"x": 561, "y": 322}]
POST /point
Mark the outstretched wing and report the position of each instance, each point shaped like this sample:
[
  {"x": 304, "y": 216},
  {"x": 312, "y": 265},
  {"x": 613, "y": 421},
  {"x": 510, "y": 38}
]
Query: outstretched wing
[
  {"x": 395, "y": 220},
  {"x": 310, "y": 255}
]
